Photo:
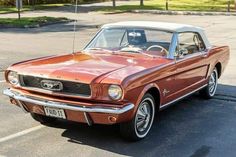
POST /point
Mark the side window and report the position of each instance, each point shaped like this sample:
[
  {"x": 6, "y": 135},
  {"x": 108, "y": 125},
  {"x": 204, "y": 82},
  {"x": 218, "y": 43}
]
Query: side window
[{"x": 189, "y": 43}]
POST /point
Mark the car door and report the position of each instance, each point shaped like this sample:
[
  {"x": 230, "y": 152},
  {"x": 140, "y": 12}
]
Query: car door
[{"x": 191, "y": 69}]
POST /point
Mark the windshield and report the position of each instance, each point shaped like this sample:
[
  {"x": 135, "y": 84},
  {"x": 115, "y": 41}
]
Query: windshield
[{"x": 132, "y": 40}]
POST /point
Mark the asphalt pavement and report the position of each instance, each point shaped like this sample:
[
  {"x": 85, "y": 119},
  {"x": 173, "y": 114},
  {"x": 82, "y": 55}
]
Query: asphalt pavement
[{"x": 193, "y": 127}]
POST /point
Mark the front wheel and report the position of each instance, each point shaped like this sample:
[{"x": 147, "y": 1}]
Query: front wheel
[
  {"x": 209, "y": 91},
  {"x": 139, "y": 126}
]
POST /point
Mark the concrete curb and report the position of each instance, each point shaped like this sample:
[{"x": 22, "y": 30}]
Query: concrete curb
[{"x": 166, "y": 12}]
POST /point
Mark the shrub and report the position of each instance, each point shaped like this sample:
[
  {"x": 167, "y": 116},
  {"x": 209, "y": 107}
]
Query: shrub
[{"x": 30, "y": 2}]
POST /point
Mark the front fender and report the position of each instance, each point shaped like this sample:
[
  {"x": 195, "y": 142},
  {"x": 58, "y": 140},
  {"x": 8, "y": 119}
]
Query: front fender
[
  {"x": 145, "y": 90},
  {"x": 137, "y": 94}
]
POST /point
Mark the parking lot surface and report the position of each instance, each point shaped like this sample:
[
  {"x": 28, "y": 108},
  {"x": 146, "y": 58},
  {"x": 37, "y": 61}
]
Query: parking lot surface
[{"x": 192, "y": 128}]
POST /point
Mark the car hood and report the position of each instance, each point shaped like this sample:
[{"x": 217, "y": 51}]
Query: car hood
[{"x": 88, "y": 68}]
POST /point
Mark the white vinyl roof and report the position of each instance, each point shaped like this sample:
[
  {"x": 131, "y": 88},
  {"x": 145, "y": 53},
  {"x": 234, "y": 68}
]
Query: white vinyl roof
[
  {"x": 172, "y": 27},
  {"x": 165, "y": 26}
]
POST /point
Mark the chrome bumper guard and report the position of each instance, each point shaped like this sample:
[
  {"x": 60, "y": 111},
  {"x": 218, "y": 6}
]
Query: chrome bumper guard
[{"x": 111, "y": 110}]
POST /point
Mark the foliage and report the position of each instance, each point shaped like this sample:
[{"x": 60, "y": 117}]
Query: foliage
[
  {"x": 30, "y": 21},
  {"x": 10, "y": 9},
  {"x": 40, "y": 2},
  {"x": 183, "y": 5},
  {"x": 31, "y": 2}
]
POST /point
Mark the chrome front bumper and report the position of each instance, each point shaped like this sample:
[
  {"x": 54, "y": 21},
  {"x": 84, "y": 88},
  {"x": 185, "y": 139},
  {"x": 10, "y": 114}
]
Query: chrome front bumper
[{"x": 111, "y": 110}]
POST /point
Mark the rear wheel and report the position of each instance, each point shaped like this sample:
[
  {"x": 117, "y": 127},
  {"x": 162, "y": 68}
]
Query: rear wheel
[
  {"x": 43, "y": 119},
  {"x": 209, "y": 91},
  {"x": 139, "y": 126}
]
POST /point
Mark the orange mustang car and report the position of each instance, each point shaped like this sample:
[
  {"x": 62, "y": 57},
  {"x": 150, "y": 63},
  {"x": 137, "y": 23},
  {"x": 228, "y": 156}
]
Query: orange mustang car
[{"x": 126, "y": 74}]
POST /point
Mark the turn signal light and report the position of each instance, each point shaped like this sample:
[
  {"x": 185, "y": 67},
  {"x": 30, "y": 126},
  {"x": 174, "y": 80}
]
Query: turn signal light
[{"x": 112, "y": 119}]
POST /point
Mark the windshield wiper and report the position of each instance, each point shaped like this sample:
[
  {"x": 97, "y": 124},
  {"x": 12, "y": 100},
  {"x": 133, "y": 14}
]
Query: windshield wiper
[
  {"x": 147, "y": 55},
  {"x": 131, "y": 49},
  {"x": 98, "y": 48},
  {"x": 136, "y": 51},
  {"x": 95, "y": 48},
  {"x": 120, "y": 51}
]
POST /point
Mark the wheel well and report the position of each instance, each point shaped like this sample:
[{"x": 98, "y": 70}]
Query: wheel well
[
  {"x": 156, "y": 95},
  {"x": 218, "y": 68}
]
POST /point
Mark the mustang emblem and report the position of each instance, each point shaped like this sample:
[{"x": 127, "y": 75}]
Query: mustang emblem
[
  {"x": 51, "y": 85},
  {"x": 165, "y": 92}
]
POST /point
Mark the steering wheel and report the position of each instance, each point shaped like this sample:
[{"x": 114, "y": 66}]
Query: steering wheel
[{"x": 158, "y": 46}]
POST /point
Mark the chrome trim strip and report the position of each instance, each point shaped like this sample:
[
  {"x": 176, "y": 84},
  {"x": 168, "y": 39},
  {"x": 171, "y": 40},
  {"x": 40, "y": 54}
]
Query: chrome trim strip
[
  {"x": 169, "y": 103},
  {"x": 111, "y": 110}
]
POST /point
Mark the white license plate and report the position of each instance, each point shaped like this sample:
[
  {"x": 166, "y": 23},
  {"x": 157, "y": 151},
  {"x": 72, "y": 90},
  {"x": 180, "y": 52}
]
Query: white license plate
[{"x": 55, "y": 112}]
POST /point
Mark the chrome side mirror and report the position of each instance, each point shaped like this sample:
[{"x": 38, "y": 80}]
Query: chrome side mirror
[{"x": 182, "y": 52}]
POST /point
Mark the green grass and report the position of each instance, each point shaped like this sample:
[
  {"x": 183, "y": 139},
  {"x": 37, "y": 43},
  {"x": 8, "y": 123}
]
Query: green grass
[
  {"x": 177, "y": 5},
  {"x": 30, "y": 21},
  {"x": 6, "y": 9}
]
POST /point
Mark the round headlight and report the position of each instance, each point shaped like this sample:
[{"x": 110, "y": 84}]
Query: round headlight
[
  {"x": 115, "y": 92},
  {"x": 13, "y": 78}
]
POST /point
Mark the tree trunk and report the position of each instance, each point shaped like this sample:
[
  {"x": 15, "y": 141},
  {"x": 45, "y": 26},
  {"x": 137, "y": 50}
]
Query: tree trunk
[
  {"x": 228, "y": 7},
  {"x": 18, "y": 8},
  {"x": 114, "y": 3},
  {"x": 167, "y": 5},
  {"x": 33, "y": 4},
  {"x": 141, "y": 3}
]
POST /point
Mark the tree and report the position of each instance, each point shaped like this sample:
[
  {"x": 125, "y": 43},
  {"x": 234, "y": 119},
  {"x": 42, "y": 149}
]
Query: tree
[
  {"x": 235, "y": 4},
  {"x": 141, "y": 3},
  {"x": 32, "y": 3},
  {"x": 114, "y": 3}
]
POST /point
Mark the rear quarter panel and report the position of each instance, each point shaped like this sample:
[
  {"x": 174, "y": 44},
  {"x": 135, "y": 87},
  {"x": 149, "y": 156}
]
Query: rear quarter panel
[{"x": 218, "y": 54}]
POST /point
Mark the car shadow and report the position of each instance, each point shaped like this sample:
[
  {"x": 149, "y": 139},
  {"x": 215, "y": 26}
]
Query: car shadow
[
  {"x": 180, "y": 129},
  {"x": 226, "y": 90}
]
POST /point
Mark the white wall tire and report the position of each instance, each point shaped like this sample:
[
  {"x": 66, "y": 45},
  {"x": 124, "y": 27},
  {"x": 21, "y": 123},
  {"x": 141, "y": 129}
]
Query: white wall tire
[
  {"x": 140, "y": 125},
  {"x": 209, "y": 91}
]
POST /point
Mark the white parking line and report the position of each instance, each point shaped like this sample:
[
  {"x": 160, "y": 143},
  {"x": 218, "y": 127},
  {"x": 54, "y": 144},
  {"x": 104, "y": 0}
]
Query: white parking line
[
  {"x": 1, "y": 81},
  {"x": 22, "y": 133}
]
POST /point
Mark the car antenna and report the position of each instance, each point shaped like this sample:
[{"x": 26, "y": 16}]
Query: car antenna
[{"x": 75, "y": 24}]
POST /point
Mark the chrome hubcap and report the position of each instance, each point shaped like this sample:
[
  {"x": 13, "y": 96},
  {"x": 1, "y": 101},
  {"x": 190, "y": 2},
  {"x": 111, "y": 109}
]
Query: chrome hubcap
[
  {"x": 144, "y": 117},
  {"x": 213, "y": 83}
]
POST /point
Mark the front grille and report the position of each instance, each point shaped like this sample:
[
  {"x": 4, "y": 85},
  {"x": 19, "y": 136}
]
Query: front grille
[{"x": 71, "y": 88}]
